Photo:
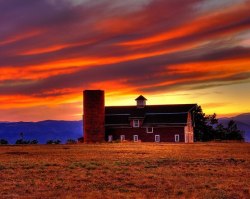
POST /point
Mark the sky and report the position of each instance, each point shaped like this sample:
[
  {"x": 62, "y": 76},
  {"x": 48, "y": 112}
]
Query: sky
[{"x": 170, "y": 51}]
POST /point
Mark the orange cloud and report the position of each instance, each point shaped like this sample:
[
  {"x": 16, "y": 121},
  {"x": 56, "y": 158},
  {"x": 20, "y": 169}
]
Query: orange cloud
[
  {"x": 224, "y": 67},
  {"x": 21, "y": 36},
  {"x": 53, "y": 48},
  {"x": 32, "y": 73},
  {"x": 201, "y": 24}
]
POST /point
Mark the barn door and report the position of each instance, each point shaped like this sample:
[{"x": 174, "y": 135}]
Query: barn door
[
  {"x": 110, "y": 138},
  {"x": 157, "y": 138}
]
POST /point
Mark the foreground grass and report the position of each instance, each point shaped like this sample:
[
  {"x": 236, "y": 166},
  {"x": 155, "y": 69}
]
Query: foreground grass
[{"x": 127, "y": 170}]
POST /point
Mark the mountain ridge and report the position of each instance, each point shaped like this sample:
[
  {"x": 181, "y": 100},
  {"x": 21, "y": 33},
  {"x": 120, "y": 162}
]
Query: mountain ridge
[{"x": 41, "y": 130}]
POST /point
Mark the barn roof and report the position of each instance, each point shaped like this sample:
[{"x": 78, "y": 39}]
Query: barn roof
[
  {"x": 141, "y": 98},
  {"x": 175, "y": 114},
  {"x": 171, "y": 108}
]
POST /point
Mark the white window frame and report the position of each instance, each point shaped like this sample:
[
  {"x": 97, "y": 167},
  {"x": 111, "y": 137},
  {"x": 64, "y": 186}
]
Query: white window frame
[
  {"x": 136, "y": 125},
  {"x": 152, "y": 129},
  {"x": 135, "y": 138},
  {"x": 157, "y": 138},
  {"x": 110, "y": 138},
  {"x": 177, "y": 138},
  {"x": 122, "y": 138}
]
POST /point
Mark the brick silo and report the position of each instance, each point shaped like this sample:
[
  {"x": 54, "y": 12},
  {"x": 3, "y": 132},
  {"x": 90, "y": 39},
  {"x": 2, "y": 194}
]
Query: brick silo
[{"x": 94, "y": 116}]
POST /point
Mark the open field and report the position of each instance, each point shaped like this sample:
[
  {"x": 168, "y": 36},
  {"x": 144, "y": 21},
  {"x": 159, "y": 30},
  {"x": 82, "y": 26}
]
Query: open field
[{"x": 127, "y": 170}]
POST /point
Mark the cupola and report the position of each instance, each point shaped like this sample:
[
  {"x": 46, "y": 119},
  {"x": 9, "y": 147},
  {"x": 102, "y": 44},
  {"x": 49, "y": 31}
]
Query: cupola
[{"x": 141, "y": 101}]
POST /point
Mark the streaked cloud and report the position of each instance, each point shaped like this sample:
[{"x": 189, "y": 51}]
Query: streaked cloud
[{"x": 56, "y": 48}]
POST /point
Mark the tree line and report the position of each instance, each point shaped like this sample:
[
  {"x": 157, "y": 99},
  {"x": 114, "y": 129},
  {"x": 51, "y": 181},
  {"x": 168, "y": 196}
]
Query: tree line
[
  {"x": 207, "y": 128},
  {"x": 25, "y": 142}
]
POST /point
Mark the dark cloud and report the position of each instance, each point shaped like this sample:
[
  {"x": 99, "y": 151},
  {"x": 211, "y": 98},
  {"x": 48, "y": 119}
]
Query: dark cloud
[
  {"x": 60, "y": 23},
  {"x": 194, "y": 84},
  {"x": 95, "y": 30},
  {"x": 141, "y": 72}
]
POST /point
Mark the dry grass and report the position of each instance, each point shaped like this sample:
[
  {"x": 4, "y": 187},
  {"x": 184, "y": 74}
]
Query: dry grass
[{"x": 127, "y": 170}]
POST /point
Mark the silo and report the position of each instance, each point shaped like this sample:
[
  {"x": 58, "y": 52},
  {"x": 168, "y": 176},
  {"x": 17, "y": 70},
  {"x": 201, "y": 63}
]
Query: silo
[{"x": 94, "y": 116}]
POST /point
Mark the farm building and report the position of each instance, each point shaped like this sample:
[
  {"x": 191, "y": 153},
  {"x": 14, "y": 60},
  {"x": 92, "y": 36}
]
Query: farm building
[{"x": 141, "y": 122}]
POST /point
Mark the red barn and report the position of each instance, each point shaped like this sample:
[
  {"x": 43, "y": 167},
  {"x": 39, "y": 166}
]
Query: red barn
[{"x": 147, "y": 123}]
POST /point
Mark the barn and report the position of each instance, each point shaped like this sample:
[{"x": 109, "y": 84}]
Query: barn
[{"x": 138, "y": 123}]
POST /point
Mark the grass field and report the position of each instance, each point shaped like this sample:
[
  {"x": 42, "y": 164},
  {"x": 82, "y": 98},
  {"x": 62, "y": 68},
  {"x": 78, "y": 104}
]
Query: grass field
[{"x": 126, "y": 170}]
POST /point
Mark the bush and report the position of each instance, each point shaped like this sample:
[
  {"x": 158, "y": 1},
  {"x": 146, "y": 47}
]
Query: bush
[
  {"x": 21, "y": 141},
  {"x": 53, "y": 142},
  {"x": 2, "y": 141},
  {"x": 80, "y": 140},
  {"x": 33, "y": 142},
  {"x": 50, "y": 142},
  {"x": 71, "y": 141},
  {"x": 57, "y": 141}
]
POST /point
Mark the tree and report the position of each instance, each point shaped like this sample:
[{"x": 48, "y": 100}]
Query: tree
[
  {"x": 50, "y": 142},
  {"x": 203, "y": 130},
  {"x": 33, "y": 142},
  {"x": 207, "y": 128},
  {"x": 2, "y": 141},
  {"x": 232, "y": 131},
  {"x": 220, "y": 132},
  {"x": 57, "y": 141},
  {"x": 71, "y": 141},
  {"x": 199, "y": 121},
  {"x": 53, "y": 141},
  {"x": 19, "y": 141},
  {"x": 21, "y": 136}
]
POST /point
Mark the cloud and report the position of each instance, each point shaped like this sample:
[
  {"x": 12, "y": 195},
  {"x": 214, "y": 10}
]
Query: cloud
[
  {"x": 164, "y": 69},
  {"x": 41, "y": 113},
  {"x": 56, "y": 48}
]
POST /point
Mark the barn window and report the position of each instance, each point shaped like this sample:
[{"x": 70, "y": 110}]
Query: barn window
[
  {"x": 122, "y": 137},
  {"x": 157, "y": 138},
  {"x": 150, "y": 129},
  {"x": 135, "y": 138},
  {"x": 136, "y": 123},
  {"x": 176, "y": 137}
]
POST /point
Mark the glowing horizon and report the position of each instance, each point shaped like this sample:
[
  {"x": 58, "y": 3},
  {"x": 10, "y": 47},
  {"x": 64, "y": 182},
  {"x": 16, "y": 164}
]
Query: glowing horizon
[{"x": 169, "y": 51}]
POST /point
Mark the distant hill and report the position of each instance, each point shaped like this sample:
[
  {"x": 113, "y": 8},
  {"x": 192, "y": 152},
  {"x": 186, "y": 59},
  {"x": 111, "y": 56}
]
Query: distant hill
[
  {"x": 41, "y": 131},
  {"x": 244, "y": 118},
  {"x": 243, "y": 123}
]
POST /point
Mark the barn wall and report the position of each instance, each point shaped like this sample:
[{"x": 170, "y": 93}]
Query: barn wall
[
  {"x": 166, "y": 134},
  {"x": 132, "y": 121},
  {"x": 189, "y": 131}
]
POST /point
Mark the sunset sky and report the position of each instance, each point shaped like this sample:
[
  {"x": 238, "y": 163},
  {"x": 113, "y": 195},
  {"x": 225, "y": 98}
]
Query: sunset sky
[{"x": 170, "y": 51}]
